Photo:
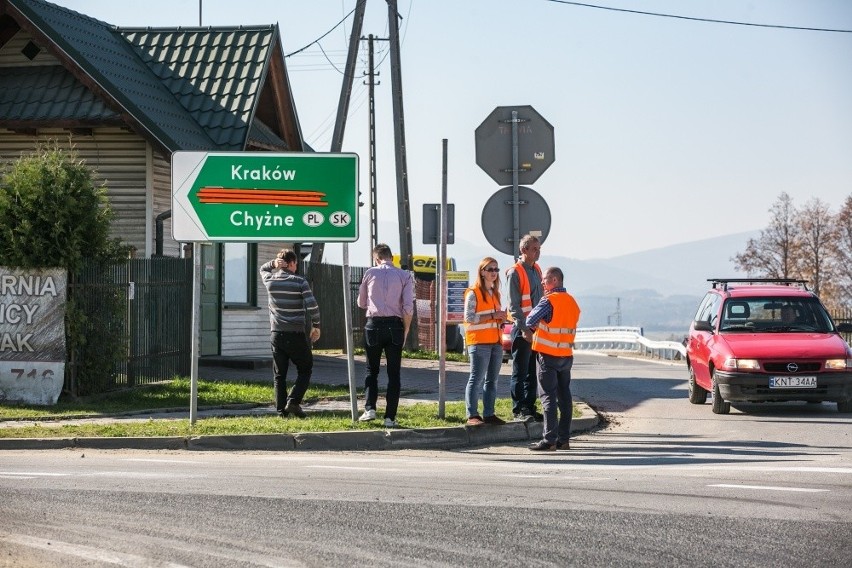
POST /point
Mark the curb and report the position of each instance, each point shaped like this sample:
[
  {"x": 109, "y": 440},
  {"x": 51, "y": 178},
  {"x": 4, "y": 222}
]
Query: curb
[{"x": 371, "y": 440}]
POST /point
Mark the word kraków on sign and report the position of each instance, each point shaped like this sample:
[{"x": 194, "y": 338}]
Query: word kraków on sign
[{"x": 262, "y": 174}]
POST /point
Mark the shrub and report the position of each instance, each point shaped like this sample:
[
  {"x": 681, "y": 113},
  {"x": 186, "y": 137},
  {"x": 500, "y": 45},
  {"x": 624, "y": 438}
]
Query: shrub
[{"x": 53, "y": 215}]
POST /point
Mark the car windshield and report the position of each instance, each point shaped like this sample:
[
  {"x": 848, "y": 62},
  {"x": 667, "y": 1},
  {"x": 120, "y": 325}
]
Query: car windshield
[{"x": 772, "y": 315}]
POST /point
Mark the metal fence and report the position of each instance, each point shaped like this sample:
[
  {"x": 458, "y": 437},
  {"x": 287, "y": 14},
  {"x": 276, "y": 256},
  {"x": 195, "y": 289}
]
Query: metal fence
[
  {"x": 623, "y": 338},
  {"x": 326, "y": 282},
  {"x": 145, "y": 305},
  {"x": 843, "y": 315}
]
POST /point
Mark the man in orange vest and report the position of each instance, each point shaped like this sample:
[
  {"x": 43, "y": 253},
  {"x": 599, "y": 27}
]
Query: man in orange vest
[
  {"x": 525, "y": 291},
  {"x": 554, "y": 321}
]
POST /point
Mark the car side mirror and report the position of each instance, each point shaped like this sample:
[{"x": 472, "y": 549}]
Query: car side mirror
[
  {"x": 844, "y": 327},
  {"x": 701, "y": 325}
]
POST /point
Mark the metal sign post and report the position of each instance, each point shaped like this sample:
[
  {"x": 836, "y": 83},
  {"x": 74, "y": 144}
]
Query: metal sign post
[
  {"x": 442, "y": 288},
  {"x": 516, "y": 223},
  {"x": 196, "y": 335},
  {"x": 347, "y": 318}
]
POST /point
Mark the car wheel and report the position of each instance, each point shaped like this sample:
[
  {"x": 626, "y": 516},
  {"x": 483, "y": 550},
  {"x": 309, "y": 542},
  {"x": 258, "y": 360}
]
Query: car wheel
[
  {"x": 697, "y": 393},
  {"x": 844, "y": 406},
  {"x": 719, "y": 406}
]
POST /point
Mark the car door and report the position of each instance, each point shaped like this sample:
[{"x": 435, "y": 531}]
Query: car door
[{"x": 700, "y": 343}]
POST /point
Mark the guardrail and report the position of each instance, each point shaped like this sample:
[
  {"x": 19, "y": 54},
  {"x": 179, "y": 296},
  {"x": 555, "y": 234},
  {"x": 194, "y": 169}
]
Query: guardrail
[{"x": 626, "y": 339}]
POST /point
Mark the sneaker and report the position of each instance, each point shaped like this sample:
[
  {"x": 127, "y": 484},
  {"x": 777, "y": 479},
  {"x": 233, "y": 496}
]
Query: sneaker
[
  {"x": 367, "y": 416},
  {"x": 391, "y": 423},
  {"x": 542, "y": 446},
  {"x": 494, "y": 420},
  {"x": 282, "y": 413},
  {"x": 521, "y": 417},
  {"x": 538, "y": 417},
  {"x": 563, "y": 445},
  {"x": 475, "y": 421},
  {"x": 295, "y": 409}
]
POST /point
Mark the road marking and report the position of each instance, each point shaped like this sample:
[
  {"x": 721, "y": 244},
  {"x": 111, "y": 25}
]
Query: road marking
[
  {"x": 32, "y": 474},
  {"x": 769, "y": 488},
  {"x": 353, "y": 468},
  {"x": 87, "y": 552}
]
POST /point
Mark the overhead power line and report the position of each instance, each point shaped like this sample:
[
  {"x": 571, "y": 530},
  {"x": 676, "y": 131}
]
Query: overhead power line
[
  {"x": 708, "y": 20},
  {"x": 328, "y": 32}
]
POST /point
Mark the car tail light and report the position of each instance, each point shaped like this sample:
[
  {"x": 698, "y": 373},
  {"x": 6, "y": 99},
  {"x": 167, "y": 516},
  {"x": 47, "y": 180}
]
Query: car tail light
[{"x": 732, "y": 363}]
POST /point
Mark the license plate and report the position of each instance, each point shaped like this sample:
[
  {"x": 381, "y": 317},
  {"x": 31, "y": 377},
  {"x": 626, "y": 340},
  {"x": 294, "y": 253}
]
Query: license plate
[{"x": 792, "y": 382}]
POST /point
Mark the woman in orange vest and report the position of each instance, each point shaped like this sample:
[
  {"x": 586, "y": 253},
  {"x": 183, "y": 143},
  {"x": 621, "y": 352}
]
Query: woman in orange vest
[
  {"x": 554, "y": 320},
  {"x": 483, "y": 317}
]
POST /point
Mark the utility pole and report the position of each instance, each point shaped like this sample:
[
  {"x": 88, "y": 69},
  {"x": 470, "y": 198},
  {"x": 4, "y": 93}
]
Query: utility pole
[
  {"x": 405, "y": 247},
  {"x": 343, "y": 104},
  {"x": 371, "y": 83}
]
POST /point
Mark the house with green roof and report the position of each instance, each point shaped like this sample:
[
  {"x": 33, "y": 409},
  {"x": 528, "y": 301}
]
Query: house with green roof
[{"x": 126, "y": 99}]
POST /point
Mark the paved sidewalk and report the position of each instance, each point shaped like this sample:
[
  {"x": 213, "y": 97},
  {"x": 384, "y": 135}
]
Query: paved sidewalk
[{"x": 419, "y": 377}]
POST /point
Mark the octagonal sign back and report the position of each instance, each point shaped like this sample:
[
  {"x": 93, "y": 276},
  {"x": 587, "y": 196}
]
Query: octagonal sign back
[
  {"x": 494, "y": 145},
  {"x": 264, "y": 196}
]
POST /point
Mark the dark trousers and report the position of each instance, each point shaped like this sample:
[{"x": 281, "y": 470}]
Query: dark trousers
[
  {"x": 554, "y": 388},
  {"x": 522, "y": 385},
  {"x": 290, "y": 346},
  {"x": 383, "y": 335}
]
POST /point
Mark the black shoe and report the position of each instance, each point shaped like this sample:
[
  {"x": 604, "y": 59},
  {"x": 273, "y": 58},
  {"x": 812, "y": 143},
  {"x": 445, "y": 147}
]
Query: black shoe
[
  {"x": 542, "y": 446},
  {"x": 282, "y": 413},
  {"x": 538, "y": 417},
  {"x": 563, "y": 445},
  {"x": 295, "y": 410},
  {"x": 522, "y": 417}
]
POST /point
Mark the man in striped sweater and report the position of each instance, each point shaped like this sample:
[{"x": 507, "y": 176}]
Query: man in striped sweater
[{"x": 291, "y": 301}]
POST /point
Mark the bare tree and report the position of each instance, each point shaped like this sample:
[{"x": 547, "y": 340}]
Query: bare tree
[
  {"x": 775, "y": 252},
  {"x": 818, "y": 238},
  {"x": 842, "y": 253}
]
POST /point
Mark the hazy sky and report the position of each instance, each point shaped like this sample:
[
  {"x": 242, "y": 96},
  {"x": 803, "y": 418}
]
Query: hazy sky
[{"x": 666, "y": 130}]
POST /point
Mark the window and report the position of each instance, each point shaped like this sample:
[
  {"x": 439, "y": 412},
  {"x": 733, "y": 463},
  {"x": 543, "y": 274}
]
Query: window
[{"x": 240, "y": 274}]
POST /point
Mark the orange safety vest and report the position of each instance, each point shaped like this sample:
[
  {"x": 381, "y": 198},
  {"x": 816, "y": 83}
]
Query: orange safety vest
[
  {"x": 524, "y": 285},
  {"x": 488, "y": 328},
  {"x": 557, "y": 336}
]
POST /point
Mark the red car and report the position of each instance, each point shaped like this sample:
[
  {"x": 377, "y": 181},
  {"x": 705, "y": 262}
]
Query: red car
[
  {"x": 766, "y": 340},
  {"x": 506, "y": 340}
]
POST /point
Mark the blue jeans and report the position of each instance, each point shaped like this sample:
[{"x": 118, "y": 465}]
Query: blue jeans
[
  {"x": 485, "y": 362},
  {"x": 554, "y": 390},
  {"x": 383, "y": 335}
]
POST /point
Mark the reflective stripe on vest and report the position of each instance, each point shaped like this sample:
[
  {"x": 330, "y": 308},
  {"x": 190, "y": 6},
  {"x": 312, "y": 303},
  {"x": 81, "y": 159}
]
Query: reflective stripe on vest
[
  {"x": 488, "y": 328},
  {"x": 524, "y": 287},
  {"x": 557, "y": 337}
]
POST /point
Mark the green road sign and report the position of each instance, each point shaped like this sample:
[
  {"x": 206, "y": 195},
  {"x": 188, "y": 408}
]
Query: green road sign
[{"x": 264, "y": 196}]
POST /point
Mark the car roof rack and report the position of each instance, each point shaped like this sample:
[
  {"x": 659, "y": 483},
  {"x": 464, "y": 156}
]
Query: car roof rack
[{"x": 723, "y": 282}]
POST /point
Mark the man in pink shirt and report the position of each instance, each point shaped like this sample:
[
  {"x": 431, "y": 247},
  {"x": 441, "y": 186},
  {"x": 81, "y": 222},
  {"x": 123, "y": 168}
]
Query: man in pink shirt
[{"x": 387, "y": 293}]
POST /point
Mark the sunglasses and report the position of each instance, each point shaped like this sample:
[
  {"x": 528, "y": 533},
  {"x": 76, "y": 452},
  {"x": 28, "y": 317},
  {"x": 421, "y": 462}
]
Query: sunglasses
[{"x": 491, "y": 269}]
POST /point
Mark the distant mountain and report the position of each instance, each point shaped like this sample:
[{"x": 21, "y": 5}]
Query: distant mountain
[{"x": 685, "y": 267}]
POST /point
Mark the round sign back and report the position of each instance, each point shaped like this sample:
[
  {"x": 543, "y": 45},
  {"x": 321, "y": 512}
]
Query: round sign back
[{"x": 533, "y": 217}]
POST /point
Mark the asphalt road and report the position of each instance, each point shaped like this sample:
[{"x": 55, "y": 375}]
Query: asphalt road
[{"x": 665, "y": 483}]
